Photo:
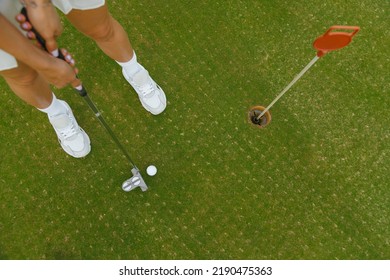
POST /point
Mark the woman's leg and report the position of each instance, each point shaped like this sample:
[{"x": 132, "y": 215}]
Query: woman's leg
[
  {"x": 34, "y": 90},
  {"x": 28, "y": 85},
  {"x": 109, "y": 35}
]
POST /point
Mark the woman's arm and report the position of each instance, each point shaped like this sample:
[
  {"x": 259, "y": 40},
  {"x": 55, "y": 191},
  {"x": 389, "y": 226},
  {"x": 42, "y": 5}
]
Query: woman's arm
[{"x": 55, "y": 71}]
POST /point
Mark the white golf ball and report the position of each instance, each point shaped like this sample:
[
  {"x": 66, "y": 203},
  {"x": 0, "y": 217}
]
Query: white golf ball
[{"x": 151, "y": 170}]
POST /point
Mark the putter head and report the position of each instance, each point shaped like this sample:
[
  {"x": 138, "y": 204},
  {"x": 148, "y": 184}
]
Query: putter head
[{"x": 135, "y": 181}]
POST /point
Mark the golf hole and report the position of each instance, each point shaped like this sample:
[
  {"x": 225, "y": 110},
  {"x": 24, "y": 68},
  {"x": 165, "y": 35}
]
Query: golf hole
[{"x": 254, "y": 119}]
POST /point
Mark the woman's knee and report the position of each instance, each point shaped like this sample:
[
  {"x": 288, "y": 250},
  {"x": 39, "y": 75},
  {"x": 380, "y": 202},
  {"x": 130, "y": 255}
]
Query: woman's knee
[
  {"x": 104, "y": 31},
  {"x": 21, "y": 76}
]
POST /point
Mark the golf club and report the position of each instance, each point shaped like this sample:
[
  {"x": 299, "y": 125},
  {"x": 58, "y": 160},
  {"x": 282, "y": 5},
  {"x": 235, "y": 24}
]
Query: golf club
[
  {"x": 136, "y": 180},
  {"x": 329, "y": 41}
]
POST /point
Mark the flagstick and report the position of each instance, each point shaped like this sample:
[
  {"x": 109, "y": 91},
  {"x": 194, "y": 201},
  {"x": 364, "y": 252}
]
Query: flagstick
[{"x": 314, "y": 60}]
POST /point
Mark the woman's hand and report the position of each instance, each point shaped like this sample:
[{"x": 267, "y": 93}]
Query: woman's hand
[
  {"x": 59, "y": 72},
  {"x": 43, "y": 16}
]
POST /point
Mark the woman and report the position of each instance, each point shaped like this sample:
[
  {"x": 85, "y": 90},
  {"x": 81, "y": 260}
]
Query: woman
[{"x": 29, "y": 71}]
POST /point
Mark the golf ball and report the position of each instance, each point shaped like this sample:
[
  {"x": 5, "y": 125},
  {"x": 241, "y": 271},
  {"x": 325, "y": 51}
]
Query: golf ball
[{"x": 151, "y": 170}]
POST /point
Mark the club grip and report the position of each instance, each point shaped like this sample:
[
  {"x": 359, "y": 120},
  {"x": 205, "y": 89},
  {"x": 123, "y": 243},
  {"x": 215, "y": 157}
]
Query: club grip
[
  {"x": 80, "y": 89},
  {"x": 37, "y": 35}
]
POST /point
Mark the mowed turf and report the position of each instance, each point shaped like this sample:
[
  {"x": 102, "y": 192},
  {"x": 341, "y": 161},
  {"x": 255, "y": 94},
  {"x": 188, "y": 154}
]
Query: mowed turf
[{"x": 314, "y": 184}]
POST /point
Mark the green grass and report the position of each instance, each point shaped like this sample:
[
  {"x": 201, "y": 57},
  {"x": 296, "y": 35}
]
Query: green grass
[{"x": 313, "y": 185}]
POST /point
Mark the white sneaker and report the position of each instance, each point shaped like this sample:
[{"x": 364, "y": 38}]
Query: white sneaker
[
  {"x": 152, "y": 97},
  {"x": 72, "y": 138}
]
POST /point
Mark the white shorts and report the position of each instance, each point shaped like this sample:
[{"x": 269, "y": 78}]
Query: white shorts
[{"x": 10, "y": 8}]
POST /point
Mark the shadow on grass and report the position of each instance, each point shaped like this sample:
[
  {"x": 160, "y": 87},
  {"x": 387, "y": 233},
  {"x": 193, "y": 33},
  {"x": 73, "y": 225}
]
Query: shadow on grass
[
  {"x": 60, "y": 251},
  {"x": 59, "y": 254},
  {"x": 3, "y": 255}
]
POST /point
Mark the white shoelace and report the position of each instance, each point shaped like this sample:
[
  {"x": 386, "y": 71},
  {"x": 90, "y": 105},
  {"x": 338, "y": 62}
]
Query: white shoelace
[
  {"x": 68, "y": 132},
  {"x": 146, "y": 89}
]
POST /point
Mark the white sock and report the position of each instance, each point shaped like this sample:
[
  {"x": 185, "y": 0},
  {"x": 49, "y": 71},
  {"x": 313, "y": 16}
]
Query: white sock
[
  {"x": 55, "y": 108},
  {"x": 132, "y": 66}
]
